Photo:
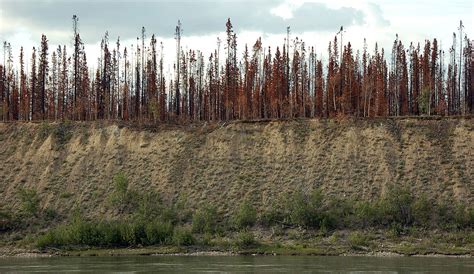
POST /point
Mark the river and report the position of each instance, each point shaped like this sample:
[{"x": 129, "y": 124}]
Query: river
[{"x": 238, "y": 264}]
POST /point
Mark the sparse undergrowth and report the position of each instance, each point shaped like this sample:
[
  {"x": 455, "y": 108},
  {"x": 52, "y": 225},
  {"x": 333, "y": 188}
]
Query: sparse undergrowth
[{"x": 145, "y": 220}]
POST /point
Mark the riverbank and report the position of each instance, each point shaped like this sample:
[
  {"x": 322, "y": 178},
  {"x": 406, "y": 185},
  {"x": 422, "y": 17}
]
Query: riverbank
[
  {"x": 296, "y": 187},
  {"x": 302, "y": 243}
]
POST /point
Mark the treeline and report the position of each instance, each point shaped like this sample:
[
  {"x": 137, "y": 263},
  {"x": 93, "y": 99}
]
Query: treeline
[{"x": 287, "y": 82}]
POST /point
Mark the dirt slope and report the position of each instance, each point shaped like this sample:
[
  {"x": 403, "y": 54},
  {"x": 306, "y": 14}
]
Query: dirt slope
[{"x": 73, "y": 165}]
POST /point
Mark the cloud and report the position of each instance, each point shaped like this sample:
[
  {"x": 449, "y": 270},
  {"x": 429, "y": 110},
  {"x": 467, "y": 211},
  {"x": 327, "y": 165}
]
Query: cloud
[
  {"x": 377, "y": 13},
  {"x": 125, "y": 19}
]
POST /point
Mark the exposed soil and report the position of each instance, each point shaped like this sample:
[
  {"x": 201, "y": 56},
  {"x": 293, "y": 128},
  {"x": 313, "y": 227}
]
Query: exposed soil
[{"x": 72, "y": 165}]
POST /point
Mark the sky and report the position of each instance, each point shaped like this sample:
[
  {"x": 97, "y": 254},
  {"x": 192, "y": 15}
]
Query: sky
[{"x": 22, "y": 22}]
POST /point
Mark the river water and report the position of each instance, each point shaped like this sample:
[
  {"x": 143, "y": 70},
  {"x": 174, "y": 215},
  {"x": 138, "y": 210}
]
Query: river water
[{"x": 239, "y": 264}]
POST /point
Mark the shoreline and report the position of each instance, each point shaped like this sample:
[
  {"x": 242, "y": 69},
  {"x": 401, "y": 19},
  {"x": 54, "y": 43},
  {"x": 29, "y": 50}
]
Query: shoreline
[{"x": 16, "y": 252}]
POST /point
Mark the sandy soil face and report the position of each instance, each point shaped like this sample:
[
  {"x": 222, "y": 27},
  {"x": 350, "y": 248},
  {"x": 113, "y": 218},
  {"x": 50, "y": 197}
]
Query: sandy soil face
[{"x": 71, "y": 166}]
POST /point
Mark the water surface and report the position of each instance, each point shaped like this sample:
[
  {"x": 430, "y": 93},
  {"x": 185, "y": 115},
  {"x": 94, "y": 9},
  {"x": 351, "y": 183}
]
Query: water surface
[{"x": 238, "y": 264}]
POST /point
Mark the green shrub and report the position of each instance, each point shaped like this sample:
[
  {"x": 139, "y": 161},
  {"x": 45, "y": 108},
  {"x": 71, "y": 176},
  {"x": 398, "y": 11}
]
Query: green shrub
[
  {"x": 246, "y": 216},
  {"x": 169, "y": 214},
  {"x": 245, "y": 239},
  {"x": 122, "y": 197},
  {"x": 50, "y": 214},
  {"x": 461, "y": 217},
  {"x": 183, "y": 237},
  {"x": 159, "y": 233},
  {"x": 84, "y": 233},
  {"x": 306, "y": 210},
  {"x": 397, "y": 206},
  {"x": 111, "y": 234},
  {"x": 336, "y": 213},
  {"x": 65, "y": 195},
  {"x": 182, "y": 213},
  {"x": 368, "y": 214},
  {"x": 206, "y": 240},
  {"x": 62, "y": 133},
  {"x": 52, "y": 238},
  {"x": 105, "y": 234},
  {"x": 29, "y": 201},
  {"x": 272, "y": 216},
  {"x": 205, "y": 220},
  {"x": 396, "y": 230},
  {"x": 444, "y": 214},
  {"x": 422, "y": 211},
  {"x": 44, "y": 130},
  {"x": 133, "y": 233},
  {"x": 121, "y": 183},
  {"x": 150, "y": 205},
  {"x": 357, "y": 240},
  {"x": 471, "y": 217},
  {"x": 5, "y": 220}
]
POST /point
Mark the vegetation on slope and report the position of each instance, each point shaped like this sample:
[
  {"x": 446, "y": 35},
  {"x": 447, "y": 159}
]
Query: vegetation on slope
[
  {"x": 108, "y": 187},
  {"x": 146, "y": 221}
]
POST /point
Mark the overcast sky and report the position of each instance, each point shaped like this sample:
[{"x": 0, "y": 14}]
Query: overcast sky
[{"x": 316, "y": 21}]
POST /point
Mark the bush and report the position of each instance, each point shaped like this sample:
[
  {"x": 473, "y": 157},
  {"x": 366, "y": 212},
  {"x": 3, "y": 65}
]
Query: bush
[
  {"x": 121, "y": 183},
  {"x": 169, "y": 214},
  {"x": 357, "y": 240},
  {"x": 52, "y": 238},
  {"x": 471, "y": 217},
  {"x": 274, "y": 215},
  {"x": 245, "y": 239},
  {"x": 367, "y": 213},
  {"x": 134, "y": 233},
  {"x": 150, "y": 205},
  {"x": 205, "y": 220},
  {"x": 183, "y": 237},
  {"x": 337, "y": 213},
  {"x": 159, "y": 233},
  {"x": 44, "y": 130},
  {"x": 62, "y": 134},
  {"x": 246, "y": 216},
  {"x": 111, "y": 234},
  {"x": 306, "y": 210},
  {"x": 107, "y": 234},
  {"x": 5, "y": 221},
  {"x": 85, "y": 233},
  {"x": 444, "y": 214},
  {"x": 397, "y": 206},
  {"x": 462, "y": 216},
  {"x": 122, "y": 197},
  {"x": 206, "y": 240},
  {"x": 422, "y": 211},
  {"x": 50, "y": 214},
  {"x": 29, "y": 201}
]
